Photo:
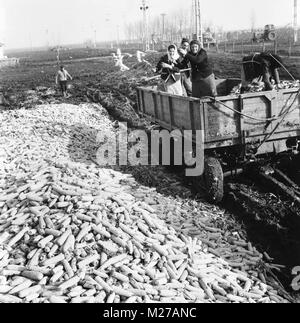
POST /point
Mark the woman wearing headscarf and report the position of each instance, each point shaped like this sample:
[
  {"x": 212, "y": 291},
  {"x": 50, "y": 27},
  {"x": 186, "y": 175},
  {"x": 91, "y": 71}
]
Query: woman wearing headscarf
[
  {"x": 203, "y": 78},
  {"x": 169, "y": 68}
]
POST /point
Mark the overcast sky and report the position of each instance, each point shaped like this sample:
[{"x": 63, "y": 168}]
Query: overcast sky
[{"x": 73, "y": 21}]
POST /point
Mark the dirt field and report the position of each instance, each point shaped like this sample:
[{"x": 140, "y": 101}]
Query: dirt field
[{"x": 268, "y": 221}]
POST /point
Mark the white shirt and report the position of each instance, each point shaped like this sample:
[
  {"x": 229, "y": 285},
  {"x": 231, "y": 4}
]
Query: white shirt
[{"x": 63, "y": 76}]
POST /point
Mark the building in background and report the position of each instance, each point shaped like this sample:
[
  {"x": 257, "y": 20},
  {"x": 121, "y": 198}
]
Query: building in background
[
  {"x": 4, "y": 61},
  {"x": 2, "y": 51}
]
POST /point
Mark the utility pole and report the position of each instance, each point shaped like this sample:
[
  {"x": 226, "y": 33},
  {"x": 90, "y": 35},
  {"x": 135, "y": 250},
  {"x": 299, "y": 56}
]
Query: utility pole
[
  {"x": 30, "y": 41},
  {"x": 253, "y": 21},
  {"x": 118, "y": 35},
  {"x": 180, "y": 30},
  {"x": 146, "y": 41},
  {"x": 295, "y": 21},
  {"x": 47, "y": 39},
  {"x": 198, "y": 20},
  {"x": 95, "y": 38},
  {"x": 163, "y": 15}
]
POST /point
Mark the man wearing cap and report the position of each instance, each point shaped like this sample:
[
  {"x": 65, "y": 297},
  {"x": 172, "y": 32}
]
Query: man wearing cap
[
  {"x": 186, "y": 65},
  {"x": 203, "y": 78}
]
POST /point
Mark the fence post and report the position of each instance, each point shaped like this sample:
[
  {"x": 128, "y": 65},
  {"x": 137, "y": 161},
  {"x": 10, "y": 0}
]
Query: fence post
[
  {"x": 243, "y": 48},
  {"x": 275, "y": 46},
  {"x": 225, "y": 46},
  {"x": 233, "y": 47},
  {"x": 290, "y": 47}
]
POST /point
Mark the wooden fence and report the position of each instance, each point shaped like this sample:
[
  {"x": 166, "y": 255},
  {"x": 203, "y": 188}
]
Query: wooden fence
[{"x": 245, "y": 48}]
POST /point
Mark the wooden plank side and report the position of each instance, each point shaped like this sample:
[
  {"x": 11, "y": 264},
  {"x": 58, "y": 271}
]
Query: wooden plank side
[
  {"x": 222, "y": 126},
  {"x": 164, "y": 105},
  {"x": 259, "y": 107},
  {"x": 139, "y": 101},
  {"x": 171, "y": 101},
  {"x": 287, "y": 102},
  {"x": 148, "y": 103},
  {"x": 221, "y": 121},
  {"x": 154, "y": 98},
  {"x": 232, "y": 141},
  {"x": 159, "y": 110},
  {"x": 182, "y": 114},
  {"x": 197, "y": 114},
  {"x": 193, "y": 116}
]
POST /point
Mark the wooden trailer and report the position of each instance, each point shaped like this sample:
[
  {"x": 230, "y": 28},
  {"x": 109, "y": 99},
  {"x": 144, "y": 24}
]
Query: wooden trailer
[{"x": 237, "y": 128}]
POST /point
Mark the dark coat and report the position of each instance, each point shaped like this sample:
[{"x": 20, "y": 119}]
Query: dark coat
[
  {"x": 260, "y": 64},
  {"x": 201, "y": 68},
  {"x": 166, "y": 73},
  {"x": 185, "y": 64}
]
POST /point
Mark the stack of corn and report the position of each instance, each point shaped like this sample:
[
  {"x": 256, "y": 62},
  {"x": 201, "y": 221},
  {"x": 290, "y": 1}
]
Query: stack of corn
[{"x": 73, "y": 232}]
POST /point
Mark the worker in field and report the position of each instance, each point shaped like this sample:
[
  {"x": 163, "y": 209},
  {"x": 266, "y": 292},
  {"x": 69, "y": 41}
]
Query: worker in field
[
  {"x": 186, "y": 65},
  {"x": 203, "y": 78},
  {"x": 169, "y": 67},
  {"x": 62, "y": 78},
  {"x": 261, "y": 67}
]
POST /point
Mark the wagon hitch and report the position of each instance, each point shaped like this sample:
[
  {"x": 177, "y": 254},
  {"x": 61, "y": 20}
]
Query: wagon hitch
[{"x": 279, "y": 183}]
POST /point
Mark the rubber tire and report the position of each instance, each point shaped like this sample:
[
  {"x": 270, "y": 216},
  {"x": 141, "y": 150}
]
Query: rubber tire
[
  {"x": 214, "y": 179},
  {"x": 272, "y": 36}
]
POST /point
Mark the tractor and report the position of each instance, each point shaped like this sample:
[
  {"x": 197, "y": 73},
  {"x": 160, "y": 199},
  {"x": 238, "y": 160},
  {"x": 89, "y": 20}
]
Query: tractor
[{"x": 268, "y": 34}]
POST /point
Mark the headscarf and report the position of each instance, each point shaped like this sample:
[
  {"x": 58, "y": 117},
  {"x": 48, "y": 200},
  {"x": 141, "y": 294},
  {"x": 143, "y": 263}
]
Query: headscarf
[{"x": 176, "y": 55}]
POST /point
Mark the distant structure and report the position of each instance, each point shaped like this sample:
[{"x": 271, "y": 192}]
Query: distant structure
[
  {"x": 269, "y": 34},
  {"x": 2, "y": 51},
  {"x": 4, "y": 61},
  {"x": 2, "y": 28}
]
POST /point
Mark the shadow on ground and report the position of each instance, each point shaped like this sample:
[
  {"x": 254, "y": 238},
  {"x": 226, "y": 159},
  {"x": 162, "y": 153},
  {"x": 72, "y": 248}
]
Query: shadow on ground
[
  {"x": 272, "y": 225},
  {"x": 82, "y": 145}
]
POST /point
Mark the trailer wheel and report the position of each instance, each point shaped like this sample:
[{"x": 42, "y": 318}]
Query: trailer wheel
[{"x": 214, "y": 179}]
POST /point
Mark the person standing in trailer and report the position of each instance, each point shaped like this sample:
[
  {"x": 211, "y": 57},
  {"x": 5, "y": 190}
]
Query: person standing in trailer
[
  {"x": 186, "y": 76},
  {"x": 169, "y": 68},
  {"x": 261, "y": 67},
  {"x": 203, "y": 78}
]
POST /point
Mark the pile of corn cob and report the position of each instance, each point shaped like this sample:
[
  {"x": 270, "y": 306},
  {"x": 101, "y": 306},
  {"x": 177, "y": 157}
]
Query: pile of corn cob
[{"x": 73, "y": 232}]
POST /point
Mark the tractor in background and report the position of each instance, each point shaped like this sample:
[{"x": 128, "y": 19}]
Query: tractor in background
[{"x": 268, "y": 34}]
